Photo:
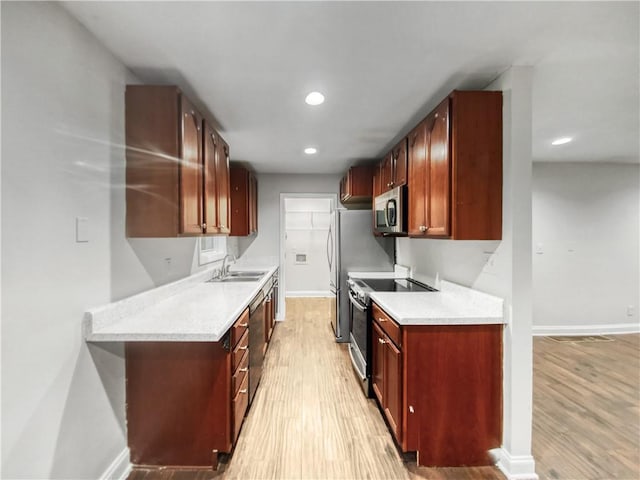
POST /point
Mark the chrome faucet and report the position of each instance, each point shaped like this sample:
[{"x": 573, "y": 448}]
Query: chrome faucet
[{"x": 224, "y": 270}]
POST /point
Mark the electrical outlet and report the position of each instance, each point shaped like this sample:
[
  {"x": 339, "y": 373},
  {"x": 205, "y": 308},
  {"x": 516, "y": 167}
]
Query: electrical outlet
[
  {"x": 539, "y": 249},
  {"x": 631, "y": 310}
]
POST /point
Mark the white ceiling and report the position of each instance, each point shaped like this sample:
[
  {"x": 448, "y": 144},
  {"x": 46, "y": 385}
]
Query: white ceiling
[{"x": 382, "y": 66}]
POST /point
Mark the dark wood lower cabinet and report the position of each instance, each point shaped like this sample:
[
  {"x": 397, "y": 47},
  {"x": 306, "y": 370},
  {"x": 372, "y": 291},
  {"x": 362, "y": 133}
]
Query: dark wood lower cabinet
[
  {"x": 177, "y": 402},
  {"x": 440, "y": 389},
  {"x": 186, "y": 401}
]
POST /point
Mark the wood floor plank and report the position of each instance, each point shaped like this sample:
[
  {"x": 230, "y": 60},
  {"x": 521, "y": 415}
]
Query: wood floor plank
[{"x": 586, "y": 409}]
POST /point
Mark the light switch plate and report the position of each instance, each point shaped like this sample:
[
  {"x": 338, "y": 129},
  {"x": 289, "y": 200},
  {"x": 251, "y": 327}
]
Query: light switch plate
[{"x": 82, "y": 229}]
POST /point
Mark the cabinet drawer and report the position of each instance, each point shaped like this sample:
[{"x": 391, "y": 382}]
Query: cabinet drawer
[
  {"x": 239, "y": 351},
  {"x": 387, "y": 324},
  {"x": 240, "y": 373},
  {"x": 238, "y": 329},
  {"x": 239, "y": 407}
]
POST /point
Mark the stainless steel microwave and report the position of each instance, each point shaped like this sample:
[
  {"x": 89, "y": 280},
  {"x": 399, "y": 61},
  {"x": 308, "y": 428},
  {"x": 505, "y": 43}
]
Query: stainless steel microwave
[{"x": 390, "y": 215}]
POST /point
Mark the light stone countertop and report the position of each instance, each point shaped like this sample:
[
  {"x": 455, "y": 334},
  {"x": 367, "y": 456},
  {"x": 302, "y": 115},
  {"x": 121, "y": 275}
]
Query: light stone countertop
[
  {"x": 189, "y": 310},
  {"x": 452, "y": 305}
]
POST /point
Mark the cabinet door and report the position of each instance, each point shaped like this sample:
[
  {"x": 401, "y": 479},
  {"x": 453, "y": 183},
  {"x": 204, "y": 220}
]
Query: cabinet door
[
  {"x": 400, "y": 164},
  {"x": 268, "y": 319},
  {"x": 386, "y": 172},
  {"x": 253, "y": 203},
  {"x": 418, "y": 178},
  {"x": 439, "y": 182},
  {"x": 377, "y": 181},
  {"x": 393, "y": 387},
  {"x": 223, "y": 187},
  {"x": 190, "y": 170},
  {"x": 210, "y": 180},
  {"x": 377, "y": 366}
]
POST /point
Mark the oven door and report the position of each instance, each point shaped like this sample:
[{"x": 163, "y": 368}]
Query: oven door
[{"x": 358, "y": 339}]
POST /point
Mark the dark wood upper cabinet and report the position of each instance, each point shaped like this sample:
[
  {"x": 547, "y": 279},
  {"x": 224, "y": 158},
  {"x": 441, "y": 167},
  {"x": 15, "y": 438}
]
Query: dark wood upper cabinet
[
  {"x": 438, "y": 198},
  {"x": 172, "y": 179},
  {"x": 377, "y": 180},
  {"x": 356, "y": 187},
  {"x": 223, "y": 186},
  {"x": 210, "y": 179},
  {"x": 393, "y": 167},
  {"x": 386, "y": 172},
  {"x": 455, "y": 169},
  {"x": 417, "y": 184},
  {"x": 191, "y": 170},
  {"x": 244, "y": 202},
  {"x": 399, "y": 160}
]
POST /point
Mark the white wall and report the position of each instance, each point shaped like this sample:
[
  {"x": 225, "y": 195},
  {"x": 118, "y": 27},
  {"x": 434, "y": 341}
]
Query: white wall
[
  {"x": 267, "y": 242},
  {"x": 307, "y": 227},
  {"x": 586, "y": 244},
  {"x": 501, "y": 268},
  {"x": 62, "y": 157}
]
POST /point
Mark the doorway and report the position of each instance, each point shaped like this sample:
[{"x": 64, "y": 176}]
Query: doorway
[{"x": 304, "y": 260}]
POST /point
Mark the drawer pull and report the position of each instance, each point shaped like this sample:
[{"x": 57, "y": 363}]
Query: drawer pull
[
  {"x": 243, "y": 325},
  {"x": 244, "y": 348},
  {"x": 243, "y": 370},
  {"x": 380, "y": 319},
  {"x": 244, "y": 390},
  {"x": 382, "y": 341}
]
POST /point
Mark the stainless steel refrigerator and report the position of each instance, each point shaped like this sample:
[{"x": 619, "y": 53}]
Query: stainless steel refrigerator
[{"x": 351, "y": 246}]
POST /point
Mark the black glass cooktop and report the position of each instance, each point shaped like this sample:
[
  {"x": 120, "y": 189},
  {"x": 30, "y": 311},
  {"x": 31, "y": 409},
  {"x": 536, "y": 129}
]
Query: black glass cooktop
[{"x": 396, "y": 285}]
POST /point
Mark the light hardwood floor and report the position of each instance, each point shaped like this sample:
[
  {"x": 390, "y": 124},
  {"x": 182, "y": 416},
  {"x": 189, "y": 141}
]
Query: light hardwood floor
[
  {"x": 586, "y": 408},
  {"x": 310, "y": 420}
]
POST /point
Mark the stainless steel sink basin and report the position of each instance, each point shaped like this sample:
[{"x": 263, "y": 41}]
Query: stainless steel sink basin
[
  {"x": 235, "y": 279},
  {"x": 239, "y": 277},
  {"x": 245, "y": 274}
]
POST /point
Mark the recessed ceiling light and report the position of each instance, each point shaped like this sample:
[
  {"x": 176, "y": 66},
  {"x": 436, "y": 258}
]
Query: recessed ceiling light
[
  {"x": 314, "y": 98},
  {"x": 310, "y": 150},
  {"x": 561, "y": 141}
]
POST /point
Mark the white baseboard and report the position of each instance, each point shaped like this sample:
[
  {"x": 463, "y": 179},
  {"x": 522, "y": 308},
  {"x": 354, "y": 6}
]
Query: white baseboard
[
  {"x": 517, "y": 467},
  {"x": 309, "y": 293},
  {"x": 119, "y": 468},
  {"x": 608, "y": 329}
]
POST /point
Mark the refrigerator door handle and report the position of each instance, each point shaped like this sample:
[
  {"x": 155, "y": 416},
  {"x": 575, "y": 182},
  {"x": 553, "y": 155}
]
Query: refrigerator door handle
[{"x": 328, "y": 254}]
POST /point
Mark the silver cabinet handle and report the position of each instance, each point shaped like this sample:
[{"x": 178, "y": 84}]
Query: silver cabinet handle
[
  {"x": 244, "y": 348},
  {"x": 243, "y": 325},
  {"x": 243, "y": 370},
  {"x": 423, "y": 228},
  {"x": 380, "y": 319},
  {"x": 244, "y": 390},
  {"x": 381, "y": 340}
]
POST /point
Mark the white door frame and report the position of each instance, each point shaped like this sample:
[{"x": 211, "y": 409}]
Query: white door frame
[{"x": 282, "y": 292}]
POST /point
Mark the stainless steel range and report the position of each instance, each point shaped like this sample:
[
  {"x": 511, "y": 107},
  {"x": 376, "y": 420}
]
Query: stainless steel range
[{"x": 360, "y": 318}]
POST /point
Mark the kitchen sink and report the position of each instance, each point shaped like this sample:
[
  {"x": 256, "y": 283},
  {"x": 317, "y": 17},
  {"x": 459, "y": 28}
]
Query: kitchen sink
[
  {"x": 234, "y": 279},
  {"x": 245, "y": 274},
  {"x": 239, "y": 277}
]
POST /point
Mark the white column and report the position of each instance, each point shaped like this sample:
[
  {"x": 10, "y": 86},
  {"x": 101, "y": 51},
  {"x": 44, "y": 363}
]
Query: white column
[{"x": 516, "y": 460}]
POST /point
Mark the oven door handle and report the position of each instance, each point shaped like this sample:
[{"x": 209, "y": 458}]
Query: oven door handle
[{"x": 356, "y": 303}]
